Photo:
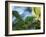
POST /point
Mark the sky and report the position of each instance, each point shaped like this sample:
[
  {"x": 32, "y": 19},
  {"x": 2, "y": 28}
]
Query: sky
[{"x": 21, "y": 11}]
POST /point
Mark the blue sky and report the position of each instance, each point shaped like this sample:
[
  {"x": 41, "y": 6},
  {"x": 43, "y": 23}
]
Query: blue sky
[{"x": 21, "y": 11}]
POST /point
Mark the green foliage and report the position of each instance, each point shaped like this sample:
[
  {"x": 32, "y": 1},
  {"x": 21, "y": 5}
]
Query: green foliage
[
  {"x": 29, "y": 18},
  {"x": 37, "y": 11},
  {"x": 16, "y": 14},
  {"x": 36, "y": 24},
  {"x": 29, "y": 23}
]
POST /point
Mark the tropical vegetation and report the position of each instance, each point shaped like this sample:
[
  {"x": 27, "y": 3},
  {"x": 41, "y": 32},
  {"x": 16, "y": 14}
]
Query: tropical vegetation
[{"x": 30, "y": 22}]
